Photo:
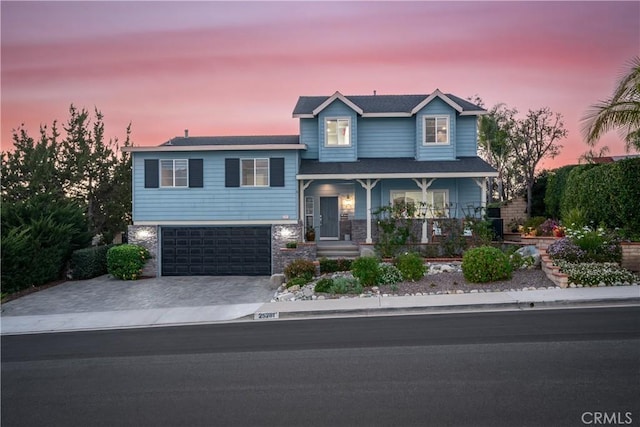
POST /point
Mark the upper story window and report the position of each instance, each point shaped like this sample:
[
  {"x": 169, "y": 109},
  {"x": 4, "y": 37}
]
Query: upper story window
[
  {"x": 436, "y": 130},
  {"x": 338, "y": 132},
  {"x": 255, "y": 172},
  {"x": 174, "y": 173}
]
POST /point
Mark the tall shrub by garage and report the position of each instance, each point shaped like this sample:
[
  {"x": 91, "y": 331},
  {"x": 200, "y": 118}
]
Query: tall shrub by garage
[{"x": 126, "y": 261}]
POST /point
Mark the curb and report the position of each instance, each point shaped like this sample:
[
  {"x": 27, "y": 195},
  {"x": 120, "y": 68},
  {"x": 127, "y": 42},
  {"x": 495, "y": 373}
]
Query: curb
[{"x": 517, "y": 305}]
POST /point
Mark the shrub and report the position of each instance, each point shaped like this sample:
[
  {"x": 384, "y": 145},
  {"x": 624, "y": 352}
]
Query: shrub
[
  {"x": 411, "y": 266},
  {"x": 89, "y": 262},
  {"x": 367, "y": 270},
  {"x": 548, "y": 226},
  {"x": 300, "y": 268},
  {"x": 125, "y": 262},
  {"x": 345, "y": 285},
  {"x": 453, "y": 242},
  {"x": 292, "y": 245},
  {"x": 332, "y": 265},
  {"x": 485, "y": 264},
  {"x": 323, "y": 285},
  {"x": 299, "y": 281},
  {"x": 389, "y": 274}
]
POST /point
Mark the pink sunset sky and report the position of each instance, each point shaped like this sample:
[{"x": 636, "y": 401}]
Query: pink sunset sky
[{"x": 237, "y": 68}]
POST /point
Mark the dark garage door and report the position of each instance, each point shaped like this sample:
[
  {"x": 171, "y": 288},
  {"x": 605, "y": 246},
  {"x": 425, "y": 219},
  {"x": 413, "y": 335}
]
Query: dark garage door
[{"x": 216, "y": 251}]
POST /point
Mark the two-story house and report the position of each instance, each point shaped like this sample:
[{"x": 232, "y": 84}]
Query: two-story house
[{"x": 223, "y": 205}]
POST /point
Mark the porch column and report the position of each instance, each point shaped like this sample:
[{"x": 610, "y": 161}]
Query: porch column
[
  {"x": 423, "y": 185},
  {"x": 482, "y": 183},
  {"x": 368, "y": 185}
]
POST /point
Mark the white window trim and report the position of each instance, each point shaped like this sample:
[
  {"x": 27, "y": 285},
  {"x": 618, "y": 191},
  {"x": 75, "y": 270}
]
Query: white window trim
[
  {"x": 429, "y": 199},
  {"x": 254, "y": 185},
  {"x": 173, "y": 173},
  {"x": 326, "y": 119},
  {"x": 424, "y": 129}
]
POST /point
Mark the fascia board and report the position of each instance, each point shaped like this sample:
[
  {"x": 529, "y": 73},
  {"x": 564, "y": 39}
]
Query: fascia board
[
  {"x": 180, "y": 148},
  {"x": 332, "y": 98},
  {"x": 398, "y": 175},
  {"x": 437, "y": 94}
]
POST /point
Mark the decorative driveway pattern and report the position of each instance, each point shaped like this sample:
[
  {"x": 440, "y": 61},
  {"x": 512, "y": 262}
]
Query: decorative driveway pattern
[{"x": 104, "y": 294}]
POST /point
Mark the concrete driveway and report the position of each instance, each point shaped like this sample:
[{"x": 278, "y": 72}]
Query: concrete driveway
[{"x": 108, "y": 302}]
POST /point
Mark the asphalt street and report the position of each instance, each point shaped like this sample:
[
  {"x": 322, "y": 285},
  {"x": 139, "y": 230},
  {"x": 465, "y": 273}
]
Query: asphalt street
[{"x": 542, "y": 367}]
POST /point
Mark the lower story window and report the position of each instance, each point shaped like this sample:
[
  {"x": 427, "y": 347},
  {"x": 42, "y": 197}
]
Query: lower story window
[
  {"x": 436, "y": 205},
  {"x": 255, "y": 172}
]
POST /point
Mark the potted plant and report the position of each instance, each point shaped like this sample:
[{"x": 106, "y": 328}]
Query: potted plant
[{"x": 310, "y": 234}]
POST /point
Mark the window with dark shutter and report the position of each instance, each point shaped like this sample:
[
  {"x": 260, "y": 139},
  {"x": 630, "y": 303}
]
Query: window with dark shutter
[
  {"x": 151, "y": 173},
  {"x": 276, "y": 171},
  {"x": 232, "y": 172},
  {"x": 195, "y": 173}
]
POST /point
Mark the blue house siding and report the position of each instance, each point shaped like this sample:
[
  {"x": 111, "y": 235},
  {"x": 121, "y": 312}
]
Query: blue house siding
[
  {"x": 436, "y": 152},
  {"x": 338, "y": 154},
  {"x": 386, "y": 137},
  {"x": 214, "y": 201},
  {"x": 466, "y": 133},
  {"x": 469, "y": 197},
  {"x": 309, "y": 136}
]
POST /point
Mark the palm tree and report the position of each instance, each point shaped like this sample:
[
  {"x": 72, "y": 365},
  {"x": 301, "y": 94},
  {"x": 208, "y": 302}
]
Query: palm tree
[{"x": 621, "y": 111}]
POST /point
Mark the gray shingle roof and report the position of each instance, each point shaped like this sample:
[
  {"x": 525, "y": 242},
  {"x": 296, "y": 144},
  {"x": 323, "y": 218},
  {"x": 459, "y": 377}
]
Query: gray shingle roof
[
  {"x": 396, "y": 165},
  {"x": 378, "y": 103},
  {"x": 233, "y": 140}
]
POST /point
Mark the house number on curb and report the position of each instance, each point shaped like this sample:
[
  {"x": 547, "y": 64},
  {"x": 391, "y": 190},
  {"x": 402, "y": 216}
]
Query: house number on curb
[{"x": 265, "y": 316}]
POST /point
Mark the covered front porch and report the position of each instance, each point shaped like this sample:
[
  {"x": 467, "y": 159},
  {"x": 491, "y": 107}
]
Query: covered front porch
[{"x": 338, "y": 201}]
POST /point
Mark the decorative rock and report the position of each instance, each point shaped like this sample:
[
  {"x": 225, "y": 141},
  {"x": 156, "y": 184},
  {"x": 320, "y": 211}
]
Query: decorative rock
[
  {"x": 375, "y": 289},
  {"x": 473, "y": 291},
  {"x": 294, "y": 288},
  {"x": 459, "y": 291},
  {"x": 286, "y": 297},
  {"x": 307, "y": 291},
  {"x": 530, "y": 251},
  {"x": 321, "y": 297}
]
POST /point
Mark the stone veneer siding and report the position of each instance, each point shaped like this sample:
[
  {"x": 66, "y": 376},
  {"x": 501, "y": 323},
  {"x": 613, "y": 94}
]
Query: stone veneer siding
[
  {"x": 147, "y": 236},
  {"x": 280, "y": 254}
]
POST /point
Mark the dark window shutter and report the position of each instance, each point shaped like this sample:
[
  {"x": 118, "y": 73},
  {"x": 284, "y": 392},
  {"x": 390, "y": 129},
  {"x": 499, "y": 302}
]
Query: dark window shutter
[
  {"x": 276, "y": 172},
  {"x": 232, "y": 172},
  {"x": 151, "y": 173},
  {"x": 195, "y": 173}
]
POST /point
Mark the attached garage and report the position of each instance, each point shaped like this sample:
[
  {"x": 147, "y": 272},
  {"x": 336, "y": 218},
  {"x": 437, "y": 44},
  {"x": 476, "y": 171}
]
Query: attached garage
[{"x": 216, "y": 251}]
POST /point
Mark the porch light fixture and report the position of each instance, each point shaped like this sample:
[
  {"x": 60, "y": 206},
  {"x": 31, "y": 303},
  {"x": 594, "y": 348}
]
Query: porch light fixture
[
  {"x": 347, "y": 202},
  {"x": 143, "y": 234}
]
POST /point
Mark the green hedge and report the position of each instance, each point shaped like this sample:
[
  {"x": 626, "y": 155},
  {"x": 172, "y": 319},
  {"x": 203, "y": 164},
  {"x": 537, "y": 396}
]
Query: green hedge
[
  {"x": 607, "y": 194},
  {"x": 38, "y": 237},
  {"x": 89, "y": 262},
  {"x": 556, "y": 184}
]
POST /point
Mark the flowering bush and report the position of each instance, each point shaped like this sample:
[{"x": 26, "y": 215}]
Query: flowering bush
[
  {"x": 389, "y": 274},
  {"x": 549, "y": 226},
  {"x": 594, "y": 274},
  {"x": 565, "y": 249},
  {"x": 599, "y": 245}
]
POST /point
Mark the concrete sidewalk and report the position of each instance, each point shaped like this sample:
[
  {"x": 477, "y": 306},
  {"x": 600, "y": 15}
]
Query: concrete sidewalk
[{"x": 369, "y": 306}]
